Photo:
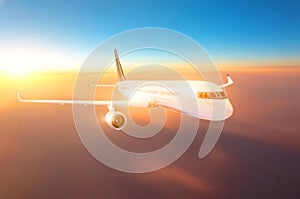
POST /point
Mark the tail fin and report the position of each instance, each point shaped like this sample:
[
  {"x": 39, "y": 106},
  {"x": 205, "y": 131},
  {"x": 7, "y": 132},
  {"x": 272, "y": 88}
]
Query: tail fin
[{"x": 121, "y": 76}]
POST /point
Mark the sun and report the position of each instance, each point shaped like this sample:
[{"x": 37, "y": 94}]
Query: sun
[
  {"x": 17, "y": 72},
  {"x": 18, "y": 61}
]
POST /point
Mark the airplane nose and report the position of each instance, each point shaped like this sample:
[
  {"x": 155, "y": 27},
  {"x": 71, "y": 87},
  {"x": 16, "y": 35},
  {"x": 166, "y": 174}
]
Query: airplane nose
[
  {"x": 220, "y": 110},
  {"x": 229, "y": 109}
]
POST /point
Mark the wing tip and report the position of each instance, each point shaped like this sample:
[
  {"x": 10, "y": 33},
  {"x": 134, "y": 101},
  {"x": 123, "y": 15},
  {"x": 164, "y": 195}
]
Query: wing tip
[{"x": 19, "y": 96}]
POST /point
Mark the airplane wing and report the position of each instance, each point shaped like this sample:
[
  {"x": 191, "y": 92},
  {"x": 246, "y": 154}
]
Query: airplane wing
[
  {"x": 165, "y": 105},
  {"x": 103, "y": 85},
  {"x": 176, "y": 108},
  {"x": 108, "y": 103},
  {"x": 83, "y": 102}
]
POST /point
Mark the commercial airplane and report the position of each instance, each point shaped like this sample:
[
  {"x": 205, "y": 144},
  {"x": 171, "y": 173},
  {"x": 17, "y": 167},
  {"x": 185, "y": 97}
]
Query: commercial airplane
[{"x": 164, "y": 93}]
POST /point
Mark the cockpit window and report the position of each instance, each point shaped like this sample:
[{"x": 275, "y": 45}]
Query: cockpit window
[{"x": 211, "y": 95}]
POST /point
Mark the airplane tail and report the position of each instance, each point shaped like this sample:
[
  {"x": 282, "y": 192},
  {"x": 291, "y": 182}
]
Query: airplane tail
[{"x": 121, "y": 76}]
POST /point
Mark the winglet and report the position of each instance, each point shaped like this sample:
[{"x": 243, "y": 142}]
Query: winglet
[
  {"x": 19, "y": 96},
  {"x": 121, "y": 76},
  {"x": 229, "y": 82}
]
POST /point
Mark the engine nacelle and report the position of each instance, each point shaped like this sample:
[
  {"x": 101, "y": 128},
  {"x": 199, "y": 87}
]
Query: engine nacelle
[{"x": 116, "y": 120}]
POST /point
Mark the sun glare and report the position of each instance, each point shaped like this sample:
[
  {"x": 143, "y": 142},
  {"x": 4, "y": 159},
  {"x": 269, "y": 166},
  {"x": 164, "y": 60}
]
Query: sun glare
[
  {"x": 17, "y": 72},
  {"x": 18, "y": 61}
]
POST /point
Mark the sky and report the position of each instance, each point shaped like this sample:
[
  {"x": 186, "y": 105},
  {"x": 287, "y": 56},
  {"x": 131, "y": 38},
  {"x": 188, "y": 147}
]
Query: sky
[
  {"x": 60, "y": 34},
  {"x": 257, "y": 155}
]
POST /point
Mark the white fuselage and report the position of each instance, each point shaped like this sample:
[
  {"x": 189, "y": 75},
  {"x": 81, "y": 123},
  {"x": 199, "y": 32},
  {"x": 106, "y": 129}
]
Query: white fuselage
[{"x": 199, "y": 99}]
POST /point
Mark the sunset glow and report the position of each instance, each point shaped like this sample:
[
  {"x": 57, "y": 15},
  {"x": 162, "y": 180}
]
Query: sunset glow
[
  {"x": 18, "y": 60},
  {"x": 112, "y": 143}
]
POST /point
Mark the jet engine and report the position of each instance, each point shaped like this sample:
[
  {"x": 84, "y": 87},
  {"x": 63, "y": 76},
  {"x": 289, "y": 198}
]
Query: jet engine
[{"x": 116, "y": 120}]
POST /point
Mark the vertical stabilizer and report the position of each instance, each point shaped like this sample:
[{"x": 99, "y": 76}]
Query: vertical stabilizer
[{"x": 121, "y": 76}]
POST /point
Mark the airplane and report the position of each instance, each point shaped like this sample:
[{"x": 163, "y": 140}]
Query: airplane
[{"x": 161, "y": 93}]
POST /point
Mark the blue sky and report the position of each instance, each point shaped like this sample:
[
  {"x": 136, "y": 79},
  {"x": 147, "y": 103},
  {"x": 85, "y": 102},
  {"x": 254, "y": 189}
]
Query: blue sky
[{"x": 231, "y": 31}]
